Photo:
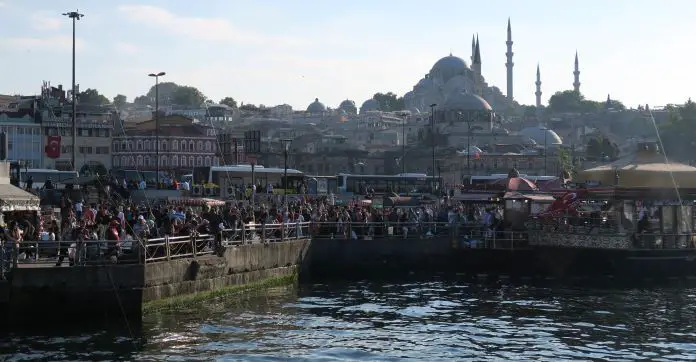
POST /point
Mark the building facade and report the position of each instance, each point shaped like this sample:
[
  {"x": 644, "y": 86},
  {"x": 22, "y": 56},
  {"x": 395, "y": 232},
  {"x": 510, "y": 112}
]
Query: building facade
[
  {"x": 183, "y": 144},
  {"x": 94, "y": 131},
  {"x": 24, "y": 139}
]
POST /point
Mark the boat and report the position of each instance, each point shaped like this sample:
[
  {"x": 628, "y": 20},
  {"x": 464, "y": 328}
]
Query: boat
[{"x": 636, "y": 220}]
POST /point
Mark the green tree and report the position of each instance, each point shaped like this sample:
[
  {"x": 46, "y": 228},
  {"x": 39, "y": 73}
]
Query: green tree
[
  {"x": 389, "y": 102},
  {"x": 249, "y": 107},
  {"x": 678, "y": 132},
  {"x": 571, "y": 101},
  {"x": 229, "y": 101},
  {"x": 120, "y": 101},
  {"x": 92, "y": 97},
  {"x": 141, "y": 100},
  {"x": 600, "y": 147},
  {"x": 166, "y": 91},
  {"x": 187, "y": 96}
]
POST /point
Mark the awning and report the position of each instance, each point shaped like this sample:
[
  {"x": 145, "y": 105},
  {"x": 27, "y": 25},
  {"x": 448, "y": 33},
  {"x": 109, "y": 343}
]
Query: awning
[
  {"x": 532, "y": 197},
  {"x": 480, "y": 197},
  {"x": 12, "y": 198}
]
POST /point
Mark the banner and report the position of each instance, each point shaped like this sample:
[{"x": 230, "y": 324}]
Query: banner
[
  {"x": 52, "y": 147},
  {"x": 567, "y": 203}
]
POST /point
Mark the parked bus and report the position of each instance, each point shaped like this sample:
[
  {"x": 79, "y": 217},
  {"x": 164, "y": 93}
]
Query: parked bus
[
  {"x": 406, "y": 183},
  {"x": 321, "y": 185},
  {"x": 39, "y": 176},
  {"x": 228, "y": 176}
]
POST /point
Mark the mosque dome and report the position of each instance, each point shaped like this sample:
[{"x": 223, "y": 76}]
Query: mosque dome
[
  {"x": 448, "y": 67},
  {"x": 316, "y": 107},
  {"x": 348, "y": 106},
  {"x": 541, "y": 135},
  {"x": 457, "y": 84},
  {"x": 464, "y": 101},
  {"x": 370, "y": 105}
]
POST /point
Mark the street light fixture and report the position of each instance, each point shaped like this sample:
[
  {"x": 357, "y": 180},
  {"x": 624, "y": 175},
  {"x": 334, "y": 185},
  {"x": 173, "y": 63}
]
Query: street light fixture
[
  {"x": 286, "y": 147},
  {"x": 432, "y": 140},
  {"x": 157, "y": 146},
  {"x": 74, "y": 15}
]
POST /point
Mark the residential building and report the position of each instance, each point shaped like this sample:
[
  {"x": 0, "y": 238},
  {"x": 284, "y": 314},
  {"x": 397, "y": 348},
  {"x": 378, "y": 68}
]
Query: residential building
[{"x": 24, "y": 138}]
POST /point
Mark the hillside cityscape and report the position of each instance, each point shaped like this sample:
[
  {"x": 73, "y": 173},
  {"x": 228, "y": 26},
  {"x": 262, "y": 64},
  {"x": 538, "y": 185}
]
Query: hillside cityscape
[{"x": 471, "y": 127}]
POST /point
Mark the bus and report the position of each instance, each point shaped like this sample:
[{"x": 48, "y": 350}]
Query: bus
[
  {"x": 321, "y": 185},
  {"x": 487, "y": 179},
  {"x": 39, "y": 176},
  {"x": 235, "y": 175},
  {"x": 405, "y": 183}
]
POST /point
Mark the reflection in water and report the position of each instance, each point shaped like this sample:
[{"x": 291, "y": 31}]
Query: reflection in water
[{"x": 439, "y": 320}]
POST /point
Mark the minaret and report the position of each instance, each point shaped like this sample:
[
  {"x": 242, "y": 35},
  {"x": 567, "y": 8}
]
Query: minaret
[
  {"x": 538, "y": 94},
  {"x": 473, "y": 47},
  {"x": 576, "y": 75},
  {"x": 476, "y": 67},
  {"x": 509, "y": 63}
]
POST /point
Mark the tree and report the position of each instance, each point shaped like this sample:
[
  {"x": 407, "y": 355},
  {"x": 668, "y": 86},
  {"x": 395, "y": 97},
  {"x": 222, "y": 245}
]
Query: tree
[
  {"x": 601, "y": 148},
  {"x": 678, "y": 132},
  {"x": 249, "y": 107},
  {"x": 229, "y": 101},
  {"x": 120, "y": 101},
  {"x": 92, "y": 97},
  {"x": 165, "y": 90},
  {"x": 187, "y": 96},
  {"x": 570, "y": 101},
  {"x": 141, "y": 100},
  {"x": 389, "y": 102}
]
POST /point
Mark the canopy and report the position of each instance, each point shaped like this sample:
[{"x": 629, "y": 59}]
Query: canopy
[
  {"x": 195, "y": 201},
  {"x": 12, "y": 198},
  {"x": 401, "y": 202},
  {"x": 514, "y": 195},
  {"x": 515, "y": 184},
  {"x": 647, "y": 168}
]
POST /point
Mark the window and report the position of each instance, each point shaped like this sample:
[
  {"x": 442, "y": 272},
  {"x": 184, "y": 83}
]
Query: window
[
  {"x": 163, "y": 146},
  {"x": 147, "y": 161},
  {"x": 199, "y": 161},
  {"x": 207, "y": 146},
  {"x": 83, "y": 132},
  {"x": 175, "y": 160},
  {"x": 147, "y": 145},
  {"x": 200, "y": 146},
  {"x": 192, "y": 146},
  {"x": 184, "y": 146},
  {"x": 139, "y": 145},
  {"x": 102, "y": 150},
  {"x": 85, "y": 149},
  {"x": 139, "y": 161},
  {"x": 163, "y": 161},
  {"x": 130, "y": 146},
  {"x": 116, "y": 161},
  {"x": 124, "y": 161},
  {"x": 191, "y": 161},
  {"x": 103, "y": 133},
  {"x": 175, "y": 145},
  {"x": 123, "y": 146},
  {"x": 183, "y": 161},
  {"x": 208, "y": 161}
]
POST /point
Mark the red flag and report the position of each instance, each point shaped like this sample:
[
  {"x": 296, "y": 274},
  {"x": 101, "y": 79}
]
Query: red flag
[
  {"x": 52, "y": 146},
  {"x": 567, "y": 203}
]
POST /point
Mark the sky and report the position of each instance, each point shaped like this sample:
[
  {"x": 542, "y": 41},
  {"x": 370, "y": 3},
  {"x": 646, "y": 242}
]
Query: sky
[{"x": 278, "y": 51}]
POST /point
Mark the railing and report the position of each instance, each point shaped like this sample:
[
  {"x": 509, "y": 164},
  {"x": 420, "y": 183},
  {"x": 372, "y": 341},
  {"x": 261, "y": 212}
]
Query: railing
[{"x": 174, "y": 247}]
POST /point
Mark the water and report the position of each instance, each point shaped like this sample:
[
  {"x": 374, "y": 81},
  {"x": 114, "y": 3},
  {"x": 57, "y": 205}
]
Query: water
[{"x": 429, "y": 321}]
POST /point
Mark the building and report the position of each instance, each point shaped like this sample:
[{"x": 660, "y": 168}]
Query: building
[
  {"x": 25, "y": 142},
  {"x": 184, "y": 143},
  {"x": 94, "y": 131}
]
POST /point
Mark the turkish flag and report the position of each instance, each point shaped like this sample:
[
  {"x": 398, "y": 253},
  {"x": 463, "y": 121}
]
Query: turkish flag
[{"x": 52, "y": 146}]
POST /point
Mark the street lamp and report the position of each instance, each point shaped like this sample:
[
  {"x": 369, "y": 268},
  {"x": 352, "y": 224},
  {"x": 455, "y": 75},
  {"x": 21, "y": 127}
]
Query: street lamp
[
  {"x": 74, "y": 15},
  {"x": 286, "y": 147},
  {"x": 432, "y": 140},
  {"x": 157, "y": 146}
]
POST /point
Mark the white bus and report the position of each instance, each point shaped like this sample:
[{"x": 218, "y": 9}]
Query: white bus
[
  {"x": 227, "y": 176},
  {"x": 405, "y": 183},
  {"x": 39, "y": 177}
]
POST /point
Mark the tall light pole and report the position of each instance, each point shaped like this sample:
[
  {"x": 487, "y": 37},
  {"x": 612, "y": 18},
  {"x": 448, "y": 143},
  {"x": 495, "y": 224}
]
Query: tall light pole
[
  {"x": 157, "y": 145},
  {"x": 432, "y": 140},
  {"x": 74, "y": 15},
  {"x": 546, "y": 130},
  {"x": 403, "y": 145},
  {"x": 286, "y": 146}
]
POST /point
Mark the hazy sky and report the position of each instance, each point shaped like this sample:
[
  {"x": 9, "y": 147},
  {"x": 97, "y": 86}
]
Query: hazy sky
[{"x": 280, "y": 51}]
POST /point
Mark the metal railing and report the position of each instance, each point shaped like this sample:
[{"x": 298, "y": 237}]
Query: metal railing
[{"x": 174, "y": 247}]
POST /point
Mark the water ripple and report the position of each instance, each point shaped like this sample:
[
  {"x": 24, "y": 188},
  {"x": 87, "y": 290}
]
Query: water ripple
[{"x": 433, "y": 321}]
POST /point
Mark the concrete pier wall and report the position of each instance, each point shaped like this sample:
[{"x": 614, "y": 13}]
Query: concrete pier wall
[{"x": 238, "y": 266}]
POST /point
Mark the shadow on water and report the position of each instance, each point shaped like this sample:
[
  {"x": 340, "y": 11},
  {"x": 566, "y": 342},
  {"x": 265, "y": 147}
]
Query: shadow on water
[{"x": 430, "y": 319}]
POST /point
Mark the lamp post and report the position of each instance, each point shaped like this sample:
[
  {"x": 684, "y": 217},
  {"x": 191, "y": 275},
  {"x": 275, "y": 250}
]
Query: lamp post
[
  {"x": 286, "y": 146},
  {"x": 432, "y": 140},
  {"x": 546, "y": 132},
  {"x": 157, "y": 146},
  {"x": 74, "y": 15},
  {"x": 403, "y": 145}
]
